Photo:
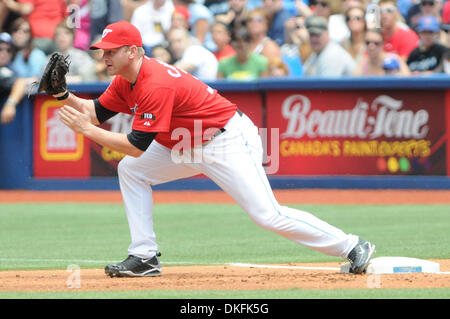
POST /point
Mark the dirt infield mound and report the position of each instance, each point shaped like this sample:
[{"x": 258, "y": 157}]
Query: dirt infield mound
[
  {"x": 226, "y": 277},
  {"x": 295, "y": 196},
  {"x": 221, "y": 277}
]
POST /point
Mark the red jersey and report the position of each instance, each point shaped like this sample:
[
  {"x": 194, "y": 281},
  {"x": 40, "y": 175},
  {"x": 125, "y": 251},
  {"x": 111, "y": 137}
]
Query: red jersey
[
  {"x": 171, "y": 102},
  {"x": 402, "y": 42}
]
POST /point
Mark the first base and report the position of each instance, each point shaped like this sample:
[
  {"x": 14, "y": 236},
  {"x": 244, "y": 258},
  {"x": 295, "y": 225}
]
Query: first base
[{"x": 397, "y": 265}]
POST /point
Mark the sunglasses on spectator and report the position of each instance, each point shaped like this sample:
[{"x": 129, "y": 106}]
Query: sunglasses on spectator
[
  {"x": 351, "y": 18},
  {"x": 26, "y": 30},
  {"x": 388, "y": 10},
  {"x": 9, "y": 50},
  {"x": 377, "y": 43},
  {"x": 258, "y": 19},
  {"x": 427, "y": 3},
  {"x": 322, "y": 4}
]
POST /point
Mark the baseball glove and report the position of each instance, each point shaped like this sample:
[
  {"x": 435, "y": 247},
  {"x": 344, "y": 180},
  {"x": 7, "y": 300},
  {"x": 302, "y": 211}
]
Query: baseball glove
[{"x": 53, "y": 80}]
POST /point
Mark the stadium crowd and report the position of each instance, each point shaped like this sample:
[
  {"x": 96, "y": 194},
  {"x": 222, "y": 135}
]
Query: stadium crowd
[{"x": 232, "y": 39}]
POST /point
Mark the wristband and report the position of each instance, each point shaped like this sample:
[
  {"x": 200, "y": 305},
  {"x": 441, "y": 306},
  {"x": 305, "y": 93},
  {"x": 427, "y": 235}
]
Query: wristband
[
  {"x": 61, "y": 96},
  {"x": 11, "y": 102}
]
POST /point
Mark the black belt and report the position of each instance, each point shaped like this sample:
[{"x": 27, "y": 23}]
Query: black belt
[{"x": 218, "y": 132}]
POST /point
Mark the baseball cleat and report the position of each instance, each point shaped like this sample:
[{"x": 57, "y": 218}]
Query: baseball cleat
[
  {"x": 135, "y": 267},
  {"x": 360, "y": 256}
]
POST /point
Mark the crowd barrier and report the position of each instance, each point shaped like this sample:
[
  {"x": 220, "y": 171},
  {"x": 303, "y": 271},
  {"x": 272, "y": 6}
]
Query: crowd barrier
[{"x": 371, "y": 132}]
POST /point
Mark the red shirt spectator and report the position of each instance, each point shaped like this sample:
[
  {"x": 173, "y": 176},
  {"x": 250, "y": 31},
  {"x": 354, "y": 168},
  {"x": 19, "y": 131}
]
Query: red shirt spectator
[
  {"x": 397, "y": 37},
  {"x": 402, "y": 41},
  {"x": 226, "y": 52},
  {"x": 446, "y": 13},
  {"x": 44, "y": 17}
]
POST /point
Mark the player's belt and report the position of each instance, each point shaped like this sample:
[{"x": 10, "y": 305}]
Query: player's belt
[{"x": 218, "y": 132}]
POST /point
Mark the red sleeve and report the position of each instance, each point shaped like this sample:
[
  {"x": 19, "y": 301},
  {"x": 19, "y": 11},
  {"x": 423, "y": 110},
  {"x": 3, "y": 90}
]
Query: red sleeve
[
  {"x": 446, "y": 13},
  {"x": 154, "y": 110},
  {"x": 114, "y": 98}
]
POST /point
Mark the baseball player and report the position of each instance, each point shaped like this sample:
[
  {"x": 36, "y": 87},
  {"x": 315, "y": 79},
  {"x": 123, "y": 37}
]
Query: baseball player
[{"x": 182, "y": 128}]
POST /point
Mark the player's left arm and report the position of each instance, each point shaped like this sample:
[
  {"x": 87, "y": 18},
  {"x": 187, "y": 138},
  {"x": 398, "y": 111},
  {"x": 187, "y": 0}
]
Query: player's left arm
[
  {"x": 133, "y": 144},
  {"x": 15, "y": 96}
]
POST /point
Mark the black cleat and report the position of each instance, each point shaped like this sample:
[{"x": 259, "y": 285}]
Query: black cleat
[
  {"x": 360, "y": 256},
  {"x": 135, "y": 267}
]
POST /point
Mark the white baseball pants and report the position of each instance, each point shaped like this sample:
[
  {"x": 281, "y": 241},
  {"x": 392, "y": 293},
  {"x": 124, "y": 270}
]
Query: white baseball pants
[{"x": 233, "y": 160}]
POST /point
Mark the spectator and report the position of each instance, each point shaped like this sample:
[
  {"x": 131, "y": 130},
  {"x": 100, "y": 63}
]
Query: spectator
[
  {"x": 217, "y": 7},
  {"x": 291, "y": 6},
  {"x": 404, "y": 6},
  {"x": 192, "y": 58},
  {"x": 82, "y": 66},
  {"x": 100, "y": 69},
  {"x": 356, "y": 23},
  {"x": 260, "y": 43},
  {"x": 236, "y": 16},
  {"x": 162, "y": 53},
  {"x": 391, "y": 66},
  {"x": 200, "y": 20},
  {"x": 128, "y": 7},
  {"x": 221, "y": 36},
  {"x": 397, "y": 37},
  {"x": 153, "y": 20},
  {"x": 347, "y": 4},
  {"x": 244, "y": 65},
  {"x": 180, "y": 18},
  {"x": 104, "y": 12},
  {"x": 252, "y": 4},
  {"x": 29, "y": 61},
  {"x": 446, "y": 38},
  {"x": 12, "y": 88},
  {"x": 446, "y": 13},
  {"x": 446, "y": 61},
  {"x": 44, "y": 16},
  {"x": 427, "y": 57},
  {"x": 328, "y": 57},
  {"x": 303, "y": 8},
  {"x": 6, "y": 16},
  {"x": 423, "y": 7},
  {"x": 296, "y": 48},
  {"x": 332, "y": 11},
  {"x": 277, "y": 68},
  {"x": 80, "y": 20},
  {"x": 278, "y": 16},
  {"x": 371, "y": 63}
]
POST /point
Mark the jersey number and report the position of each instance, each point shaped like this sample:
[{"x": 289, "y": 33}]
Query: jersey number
[{"x": 173, "y": 71}]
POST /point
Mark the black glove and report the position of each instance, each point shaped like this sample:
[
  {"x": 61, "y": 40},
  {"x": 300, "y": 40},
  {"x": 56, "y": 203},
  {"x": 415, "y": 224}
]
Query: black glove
[{"x": 53, "y": 80}]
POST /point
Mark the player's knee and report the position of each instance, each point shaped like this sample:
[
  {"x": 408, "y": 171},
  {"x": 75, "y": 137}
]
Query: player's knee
[
  {"x": 265, "y": 219},
  {"x": 123, "y": 167}
]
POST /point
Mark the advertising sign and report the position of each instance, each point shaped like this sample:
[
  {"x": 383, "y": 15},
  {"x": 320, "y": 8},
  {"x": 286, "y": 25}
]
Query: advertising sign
[
  {"x": 58, "y": 151},
  {"x": 364, "y": 132}
]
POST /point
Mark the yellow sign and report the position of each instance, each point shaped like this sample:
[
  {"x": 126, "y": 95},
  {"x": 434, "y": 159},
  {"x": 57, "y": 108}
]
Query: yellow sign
[{"x": 57, "y": 141}]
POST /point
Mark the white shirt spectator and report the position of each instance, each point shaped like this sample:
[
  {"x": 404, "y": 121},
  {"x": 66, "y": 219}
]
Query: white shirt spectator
[
  {"x": 337, "y": 28},
  {"x": 153, "y": 23},
  {"x": 333, "y": 60},
  {"x": 205, "y": 62}
]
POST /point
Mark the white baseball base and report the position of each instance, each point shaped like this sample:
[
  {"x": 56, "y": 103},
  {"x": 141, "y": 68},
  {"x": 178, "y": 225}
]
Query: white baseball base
[{"x": 397, "y": 265}]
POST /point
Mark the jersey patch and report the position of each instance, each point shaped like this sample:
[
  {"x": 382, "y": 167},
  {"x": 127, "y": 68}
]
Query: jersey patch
[{"x": 148, "y": 116}]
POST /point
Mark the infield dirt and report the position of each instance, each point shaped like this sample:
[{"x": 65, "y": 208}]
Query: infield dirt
[{"x": 226, "y": 277}]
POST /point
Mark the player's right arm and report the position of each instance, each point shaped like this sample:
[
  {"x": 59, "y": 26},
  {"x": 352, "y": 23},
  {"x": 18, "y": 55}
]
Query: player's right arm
[{"x": 81, "y": 104}]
